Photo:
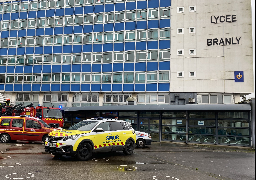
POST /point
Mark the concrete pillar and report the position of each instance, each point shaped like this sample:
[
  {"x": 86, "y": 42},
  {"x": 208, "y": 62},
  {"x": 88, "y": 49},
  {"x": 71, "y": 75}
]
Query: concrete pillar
[
  {"x": 70, "y": 100},
  {"x": 41, "y": 99},
  {"x": 101, "y": 99},
  {"x": 237, "y": 98},
  {"x": 253, "y": 122}
]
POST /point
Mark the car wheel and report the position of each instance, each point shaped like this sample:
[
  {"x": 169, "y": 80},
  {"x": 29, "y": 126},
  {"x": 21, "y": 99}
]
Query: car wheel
[
  {"x": 140, "y": 143},
  {"x": 84, "y": 151},
  {"x": 128, "y": 147},
  {"x": 5, "y": 138}
]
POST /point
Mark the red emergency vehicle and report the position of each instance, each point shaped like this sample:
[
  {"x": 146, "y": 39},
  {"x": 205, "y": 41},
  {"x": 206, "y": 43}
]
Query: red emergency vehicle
[{"x": 14, "y": 128}]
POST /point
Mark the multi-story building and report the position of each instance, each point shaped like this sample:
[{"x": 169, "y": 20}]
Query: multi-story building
[{"x": 100, "y": 52}]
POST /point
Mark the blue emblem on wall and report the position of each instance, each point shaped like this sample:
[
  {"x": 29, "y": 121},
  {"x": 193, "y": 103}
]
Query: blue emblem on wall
[{"x": 239, "y": 76}]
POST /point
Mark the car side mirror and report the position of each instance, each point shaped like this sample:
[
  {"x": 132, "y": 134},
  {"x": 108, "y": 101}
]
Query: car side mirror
[{"x": 99, "y": 130}]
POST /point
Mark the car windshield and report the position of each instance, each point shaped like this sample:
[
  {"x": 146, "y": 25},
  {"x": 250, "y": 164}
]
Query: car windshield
[
  {"x": 52, "y": 113},
  {"x": 45, "y": 125},
  {"x": 84, "y": 125}
]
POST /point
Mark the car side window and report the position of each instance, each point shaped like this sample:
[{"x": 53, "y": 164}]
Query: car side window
[
  {"x": 114, "y": 126},
  {"x": 5, "y": 122},
  {"x": 32, "y": 124},
  {"x": 126, "y": 126},
  {"x": 17, "y": 123},
  {"x": 104, "y": 126}
]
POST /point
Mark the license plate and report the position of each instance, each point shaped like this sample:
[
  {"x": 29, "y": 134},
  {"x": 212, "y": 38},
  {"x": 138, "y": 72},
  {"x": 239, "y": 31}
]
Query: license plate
[{"x": 52, "y": 144}]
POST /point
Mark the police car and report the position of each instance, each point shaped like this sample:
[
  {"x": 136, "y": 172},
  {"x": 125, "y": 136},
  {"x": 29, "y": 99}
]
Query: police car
[
  {"x": 142, "y": 139},
  {"x": 88, "y": 136}
]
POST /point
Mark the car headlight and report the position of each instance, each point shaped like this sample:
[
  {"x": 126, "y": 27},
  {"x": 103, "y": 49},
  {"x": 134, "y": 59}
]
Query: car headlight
[{"x": 73, "y": 137}]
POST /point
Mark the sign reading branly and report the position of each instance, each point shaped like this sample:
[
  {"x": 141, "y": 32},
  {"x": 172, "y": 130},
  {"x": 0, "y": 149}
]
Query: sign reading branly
[{"x": 223, "y": 41}]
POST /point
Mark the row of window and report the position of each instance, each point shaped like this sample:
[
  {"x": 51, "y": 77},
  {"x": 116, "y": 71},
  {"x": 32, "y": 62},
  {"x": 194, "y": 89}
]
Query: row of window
[
  {"x": 125, "y": 77},
  {"x": 108, "y": 57},
  {"x": 214, "y": 99},
  {"x": 88, "y": 38}
]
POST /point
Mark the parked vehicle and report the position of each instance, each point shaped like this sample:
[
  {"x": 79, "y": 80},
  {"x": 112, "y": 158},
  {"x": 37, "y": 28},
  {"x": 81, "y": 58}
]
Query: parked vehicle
[{"x": 142, "y": 139}]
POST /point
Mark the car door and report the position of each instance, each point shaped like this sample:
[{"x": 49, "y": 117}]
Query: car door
[
  {"x": 102, "y": 140},
  {"x": 33, "y": 130},
  {"x": 118, "y": 134},
  {"x": 17, "y": 129}
]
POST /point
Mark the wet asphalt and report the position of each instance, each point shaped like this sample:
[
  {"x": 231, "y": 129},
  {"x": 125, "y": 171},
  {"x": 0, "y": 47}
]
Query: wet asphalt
[{"x": 162, "y": 161}]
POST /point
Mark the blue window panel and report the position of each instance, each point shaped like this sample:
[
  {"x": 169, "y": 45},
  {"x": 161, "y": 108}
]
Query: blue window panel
[
  {"x": 88, "y": 9},
  {"x": 6, "y": 16},
  {"x": 75, "y": 87},
  {"x": 5, "y": 34},
  {"x": 142, "y": 25},
  {"x": 141, "y": 4},
  {"x": 1, "y": 86},
  {"x": 32, "y": 14},
  {"x": 28, "y": 69},
  {"x": 128, "y": 67},
  {"x": 117, "y": 67},
  {"x": 152, "y": 44},
  {"x": 18, "y": 87},
  {"x": 41, "y": 13},
  {"x": 22, "y": 33},
  {"x": 106, "y": 87},
  {"x": 48, "y": 31},
  {"x": 164, "y": 44},
  {"x": 59, "y": 12},
  {"x": 141, "y": 45},
  {"x": 98, "y": 28},
  {"x": 139, "y": 87},
  {"x": 0, "y": 17},
  {"x": 130, "y": 5},
  {"x": 26, "y": 87},
  {"x": 130, "y": 25},
  {"x": 130, "y": 46},
  {"x": 3, "y": 51},
  {"x": 152, "y": 66},
  {"x": 119, "y": 6},
  {"x": 40, "y": 31},
  {"x": 153, "y": 24},
  {"x": 165, "y": 3},
  {"x": 108, "y": 27},
  {"x": 55, "y": 87},
  {"x": 85, "y": 87},
  {"x": 128, "y": 87},
  {"x": 97, "y": 48},
  {"x": 45, "y": 87},
  {"x": 38, "y": 69},
  {"x": 50, "y": 12},
  {"x": 31, "y": 32},
  {"x": 47, "y": 49},
  {"x": 10, "y": 69},
  {"x": 98, "y": 8},
  {"x": 69, "y": 11},
  {"x": 77, "y": 48},
  {"x": 14, "y": 16},
  {"x": 165, "y": 23},
  {"x": 153, "y": 3},
  {"x": 78, "y": 29},
  {"x": 36, "y": 87},
  {"x": 95, "y": 87},
  {"x": 140, "y": 66},
  {"x": 21, "y": 51},
  {"x": 68, "y": 30},
  {"x": 108, "y": 47},
  {"x": 29, "y": 50},
  {"x": 106, "y": 67},
  {"x": 23, "y": 15},
  {"x": 151, "y": 87},
  {"x": 13, "y": 33},
  {"x": 67, "y": 49},
  {"x": 57, "y": 49},
  {"x": 87, "y": 28},
  {"x": 117, "y": 87},
  {"x": 119, "y": 47},
  {"x": 56, "y": 68},
  {"x": 164, "y": 65},
  {"x": 12, "y": 51},
  {"x": 2, "y": 69},
  {"x": 58, "y": 30},
  {"x": 87, "y": 48},
  {"x": 96, "y": 68},
  {"x": 119, "y": 26},
  {"x": 47, "y": 68},
  {"x": 8, "y": 87},
  {"x": 76, "y": 67},
  {"x": 66, "y": 68},
  {"x": 109, "y": 7},
  {"x": 164, "y": 87},
  {"x": 79, "y": 10},
  {"x": 86, "y": 68}
]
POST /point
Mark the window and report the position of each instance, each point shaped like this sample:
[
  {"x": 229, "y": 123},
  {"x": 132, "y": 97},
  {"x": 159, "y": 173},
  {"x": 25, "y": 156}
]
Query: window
[
  {"x": 97, "y": 58},
  {"x": 77, "y": 39},
  {"x": 65, "y": 77},
  {"x": 68, "y": 39},
  {"x": 141, "y": 55},
  {"x": 119, "y": 36},
  {"x": 58, "y": 40},
  {"x": 68, "y": 20},
  {"x": 15, "y": 7},
  {"x": 107, "y": 57},
  {"x": 49, "y": 22},
  {"x": 5, "y": 122},
  {"x": 152, "y": 77},
  {"x": 180, "y": 9},
  {"x": 60, "y": 3},
  {"x": 180, "y": 74},
  {"x": 118, "y": 56},
  {"x": 205, "y": 99},
  {"x": 66, "y": 58},
  {"x": 141, "y": 35},
  {"x": 21, "y": 42},
  {"x": 227, "y": 99},
  {"x": 86, "y": 77},
  {"x": 192, "y": 30},
  {"x": 117, "y": 78},
  {"x": 59, "y": 21},
  {"x": 119, "y": 17},
  {"x": 5, "y": 25},
  {"x": 88, "y": 19},
  {"x": 165, "y": 13},
  {"x": 104, "y": 126},
  {"x": 108, "y": 37},
  {"x": 164, "y": 76},
  {"x": 192, "y": 8},
  {"x": 87, "y": 57},
  {"x": 4, "y": 42},
  {"x": 141, "y": 15},
  {"x": 78, "y": 20},
  {"x": 17, "y": 123},
  {"x": 114, "y": 126},
  {"x": 152, "y": 55},
  {"x": 192, "y": 52},
  {"x": 129, "y": 77},
  {"x": 20, "y": 60},
  {"x": 153, "y": 34},
  {"x": 40, "y": 22},
  {"x": 87, "y": 38},
  {"x": 24, "y": 6},
  {"x": 88, "y": 1},
  {"x": 109, "y": 17},
  {"x": 130, "y": 36},
  {"x": 97, "y": 37},
  {"x": 75, "y": 77},
  {"x": 76, "y": 58},
  {"x": 98, "y": 18},
  {"x": 79, "y": 2},
  {"x": 153, "y": 14},
  {"x": 14, "y": 24},
  {"x": 30, "y": 41},
  {"x": 55, "y": 77},
  {"x": 140, "y": 78},
  {"x": 31, "y": 23},
  {"x": 180, "y": 31},
  {"x": 130, "y": 15},
  {"x": 47, "y": 58},
  {"x": 48, "y": 40},
  {"x": 213, "y": 99},
  {"x": 164, "y": 55},
  {"x": 96, "y": 78},
  {"x": 39, "y": 40},
  {"x": 180, "y": 52},
  {"x": 42, "y": 5},
  {"x": 38, "y": 59},
  {"x": 165, "y": 34},
  {"x": 129, "y": 56},
  {"x": 192, "y": 74},
  {"x": 46, "y": 77},
  {"x": 69, "y": 3}
]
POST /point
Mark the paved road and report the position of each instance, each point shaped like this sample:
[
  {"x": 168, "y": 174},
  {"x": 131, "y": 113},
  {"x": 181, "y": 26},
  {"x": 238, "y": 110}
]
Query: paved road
[{"x": 162, "y": 161}]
